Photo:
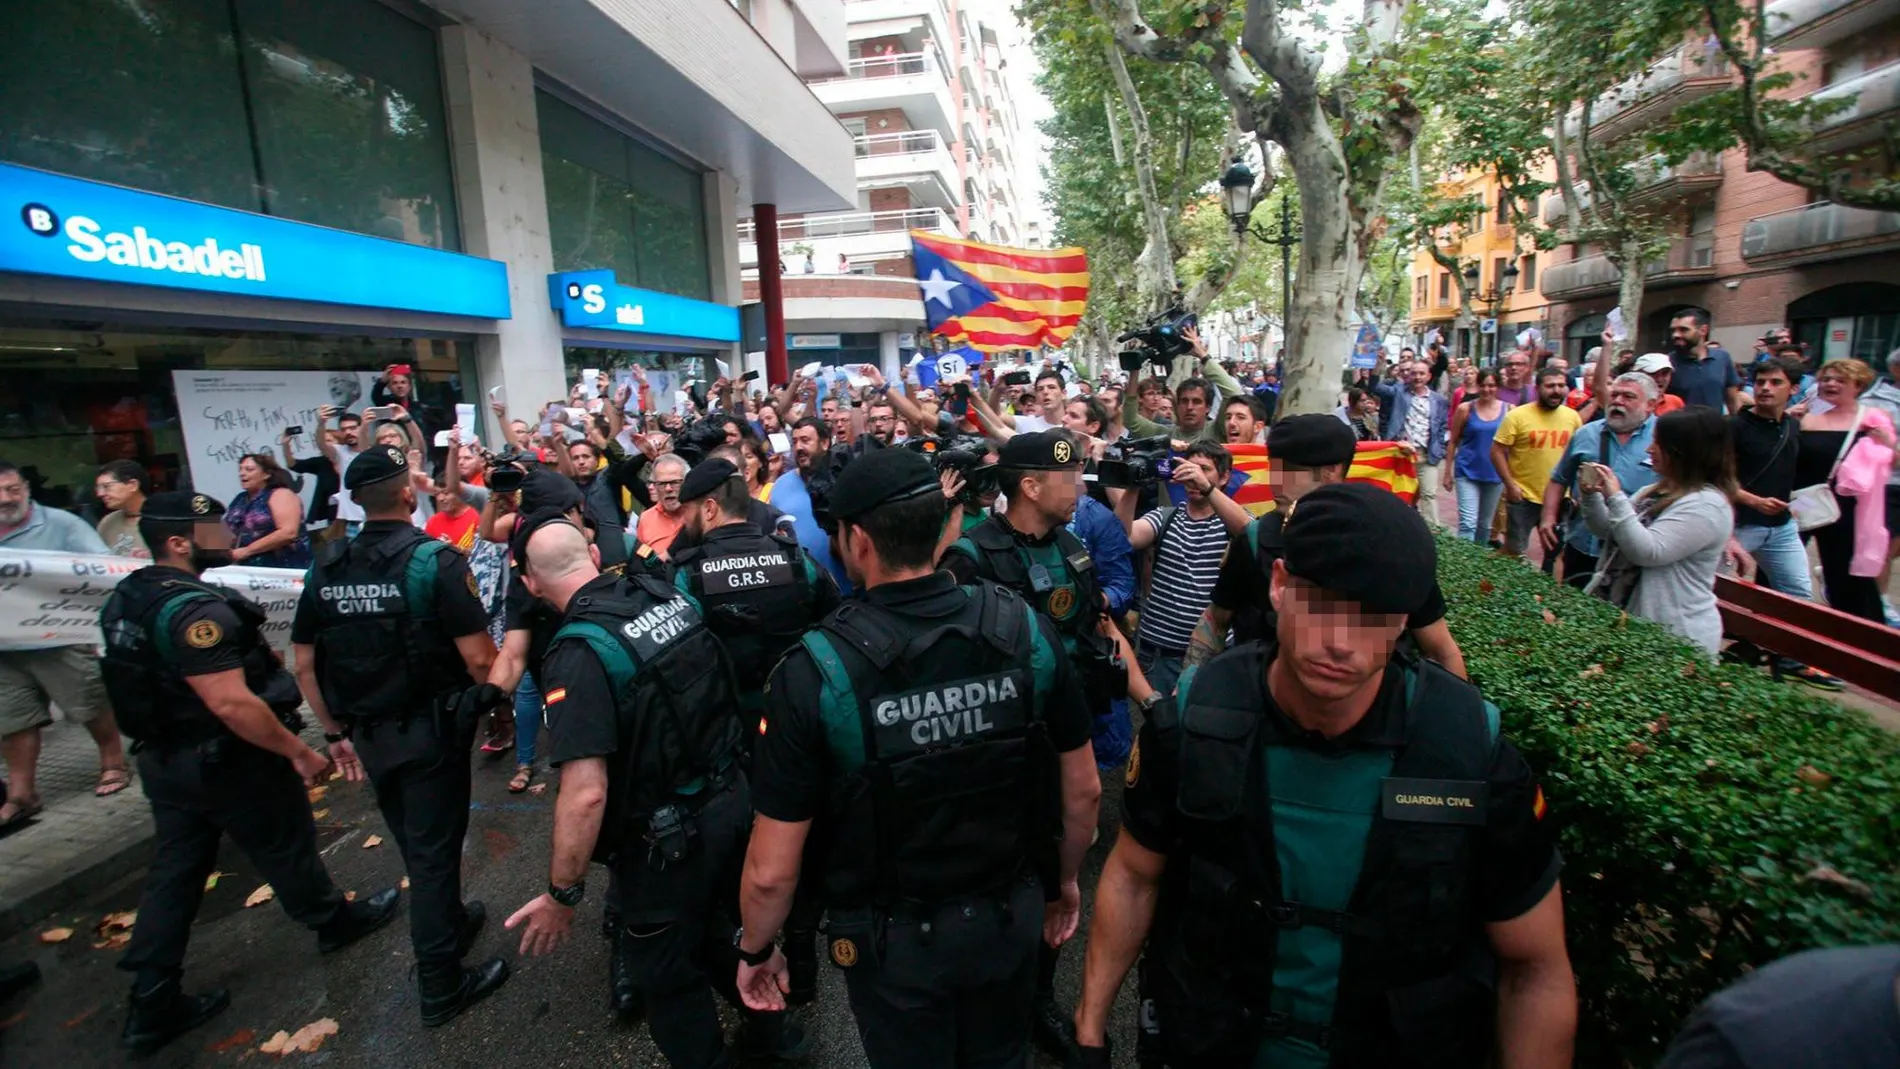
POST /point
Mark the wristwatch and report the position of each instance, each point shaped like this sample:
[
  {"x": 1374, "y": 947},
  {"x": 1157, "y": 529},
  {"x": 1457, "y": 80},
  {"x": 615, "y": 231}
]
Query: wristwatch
[
  {"x": 568, "y": 896},
  {"x": 755, "y": 958},
  {"x": 337, "y": 736},
  {"x": 1146, "y": 705}
]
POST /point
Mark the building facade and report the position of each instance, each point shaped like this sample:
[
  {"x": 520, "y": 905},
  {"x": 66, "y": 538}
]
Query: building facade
[
  {"x": 930, "y": 102},
  {"x": 1502, "y": 279},
  {"x": 225, "y": 214}
]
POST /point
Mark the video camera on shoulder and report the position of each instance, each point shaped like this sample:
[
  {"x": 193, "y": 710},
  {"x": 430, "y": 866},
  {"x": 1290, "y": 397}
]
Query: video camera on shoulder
[
  {"x": 966, "y": 453},
  {"x": 506, "y": 469},
  {"x": 1136, "y": 462},
  {"x": 1160, "y": 342}
]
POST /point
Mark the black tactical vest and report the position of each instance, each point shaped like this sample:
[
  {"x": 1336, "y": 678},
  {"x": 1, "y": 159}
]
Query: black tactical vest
[
  {"x": 951, "y": 785},
  {"x": 756, "y": 594},
  {"x": 1001, "y": 560},
  {"x": 610, "y": 528},
  {"x": 152, "y": 701},
  {"x": 677, "y": 710},
  {"x": 381, "y": 653},
  {"x": 1415, "y": 981}
]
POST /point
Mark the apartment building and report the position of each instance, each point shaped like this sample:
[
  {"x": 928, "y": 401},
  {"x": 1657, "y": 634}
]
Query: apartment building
[
  {"x": 1754, "y": 251},
  {"x": 930, "y": 102},
  {"x": 1502, "y": 279}
]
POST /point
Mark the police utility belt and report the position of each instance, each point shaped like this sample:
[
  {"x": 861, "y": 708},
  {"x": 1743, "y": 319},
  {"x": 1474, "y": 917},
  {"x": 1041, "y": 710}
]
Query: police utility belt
[{"x": 672, "y": 827}]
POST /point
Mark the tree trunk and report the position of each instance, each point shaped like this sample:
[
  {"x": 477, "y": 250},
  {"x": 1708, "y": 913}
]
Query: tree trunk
[
  {"x": 1319, "y": 331},
  {"x": 1155, "y": 266},
  {"x": 1629, "y": 290}
]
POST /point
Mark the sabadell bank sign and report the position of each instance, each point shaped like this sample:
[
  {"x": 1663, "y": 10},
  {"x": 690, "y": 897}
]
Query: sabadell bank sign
[{"x": 71, "y": 228}]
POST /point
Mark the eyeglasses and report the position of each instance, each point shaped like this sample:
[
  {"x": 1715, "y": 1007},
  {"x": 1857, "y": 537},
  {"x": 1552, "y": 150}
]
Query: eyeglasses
[{"x": 666, "y": 484}]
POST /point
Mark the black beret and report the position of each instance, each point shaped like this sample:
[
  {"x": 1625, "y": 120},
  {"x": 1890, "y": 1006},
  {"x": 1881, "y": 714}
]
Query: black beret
[
  {"x": 1361, "y": 542},
  {"x": 378, "y": 463},
  {"x": 526, "y": 525},
  {"x": 706, "y": 476},
  {"x": 542, "y": 489},
  {"x": 1039, "y": 451},
  {"x": 879, "y": 477},
  {"x": 1314, "y": 440},
  {"x": 182, "y": 506}
]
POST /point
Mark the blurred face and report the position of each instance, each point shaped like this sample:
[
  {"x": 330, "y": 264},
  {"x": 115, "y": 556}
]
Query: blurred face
[
  {"x": 665, "y": 485},
  {"x": 1686, "y": 335},
  {"x": 348, "y": 429},
  {"x": 881, "y": 422},
  {"x": 250, "y": 475},
  {"x": 209, "y": 546},
  {"x": 1049, "y": 394},
  {"x": 113, "y": 494},
  {"x": 1238, "y": 424},
  {"x": 1190, "y": 409},
  {"x": 1055, "y": 493},
  {"x": 806, "y": 448},
  {"x": 13, "y": 499},
  {"x": 1075, "y": 416},
  {"x": 1291, "y": 482},
  {"x": 1628, "y": 407},
  {"x": 1331, "y": 648},
  {"x": 1772, "y": 389}
]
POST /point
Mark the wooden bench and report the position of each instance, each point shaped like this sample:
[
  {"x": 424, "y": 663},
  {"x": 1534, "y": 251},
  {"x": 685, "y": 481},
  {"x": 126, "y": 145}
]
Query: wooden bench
[{"x": 1859, "y": 651}]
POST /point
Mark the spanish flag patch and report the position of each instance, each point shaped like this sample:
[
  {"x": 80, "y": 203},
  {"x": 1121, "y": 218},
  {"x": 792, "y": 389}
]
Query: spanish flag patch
[
  {"x": 560, "y": 694},
  {"x": 761, "y": 725},
  {"x": 1538, "y": 806}
]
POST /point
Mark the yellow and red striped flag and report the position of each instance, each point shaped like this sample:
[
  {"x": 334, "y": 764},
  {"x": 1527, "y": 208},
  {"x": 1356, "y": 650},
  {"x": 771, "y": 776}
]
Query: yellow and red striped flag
[
  {"x": 1380, "y": 463},
  {"x": 994, "y": 298}
]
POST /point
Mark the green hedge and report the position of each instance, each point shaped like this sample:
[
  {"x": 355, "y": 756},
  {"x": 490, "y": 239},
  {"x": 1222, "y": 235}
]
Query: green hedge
[{"x": 1711, "y": 819}]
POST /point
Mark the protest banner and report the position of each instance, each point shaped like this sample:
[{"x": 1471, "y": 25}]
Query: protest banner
[
  {"x": 226, "y": 414},
  {"x": 49, "y": 598}
]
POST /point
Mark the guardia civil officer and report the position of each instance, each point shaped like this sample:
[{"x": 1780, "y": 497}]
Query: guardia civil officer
[
  {"x": 1331, "y": 855},
  {"x": 643, "y": 721},
  {"x": 935, "y": 732},
  {"x": 1030, "y": 549},
  {"x": 213, "y": 716},
  {"x": 392, "y": 644},
  {"x": 760, "y": 593},
  {"x": 1303, "y": 452}
]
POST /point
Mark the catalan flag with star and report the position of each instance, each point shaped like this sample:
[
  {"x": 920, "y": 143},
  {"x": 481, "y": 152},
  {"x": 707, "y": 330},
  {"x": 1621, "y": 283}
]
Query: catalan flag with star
[
  {"x": 1380, "y": 463},
  {"x": 994, "y": 298}
]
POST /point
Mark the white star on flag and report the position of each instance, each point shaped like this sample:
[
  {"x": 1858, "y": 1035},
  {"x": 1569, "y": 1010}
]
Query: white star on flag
[{"x": 937, "y": 287}]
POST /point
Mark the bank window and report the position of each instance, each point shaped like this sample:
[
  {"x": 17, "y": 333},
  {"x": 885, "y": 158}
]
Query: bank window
[
  {"x": 615, "y": 203},
  {"x": 329, "y": 114}
]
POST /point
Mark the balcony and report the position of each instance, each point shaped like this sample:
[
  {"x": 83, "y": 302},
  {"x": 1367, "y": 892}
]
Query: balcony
[
  {"x": 1817, "y": 232},
  {"x": 858, "y": 236},
  {"x": 917, "y": 82},
  {"x": 1816, "y": 23},
  {"x": 876, "y": 12},
  {"x": 914, "y": 158},
  {"x": 1689, "y": 72},
  {"x": 1690, "y": 257},
  {"x": 1660, "y": 182},
  {"x": 1874, "y": 97}
]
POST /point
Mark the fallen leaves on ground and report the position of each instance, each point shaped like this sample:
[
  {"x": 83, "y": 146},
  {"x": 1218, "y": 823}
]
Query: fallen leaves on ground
[
  {"x": 260, "y": 896},
  {"x": 56, "y": 935},
  {"x": 1485, "y": 586},
  {"x": 1834, "y": 877},
  {"x": 211, "y": 881},
  {"x": 1812, "y": 776},
  {"x": 1593, "y": 670},
  {"x": 114, "y": 941},
  {"x": 539, "y": 788},
  {"x": 114, "y": 922},
  {"x": 372, "y": 842},
  {"x": 404, "y": 884},
  {"x": 317, "y": 793},
  {"x": 1550, "y": 617},
  {"x": 319, "y": 814},
  {"x": 306, "y": 1040},
  {"x": 243, "y": 1037},
  {"x": 1637, "y": 749}
]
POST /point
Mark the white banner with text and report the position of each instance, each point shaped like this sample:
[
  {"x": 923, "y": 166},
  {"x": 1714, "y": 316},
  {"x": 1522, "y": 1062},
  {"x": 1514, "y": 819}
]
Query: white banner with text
[{"x": 55, "y": 598}]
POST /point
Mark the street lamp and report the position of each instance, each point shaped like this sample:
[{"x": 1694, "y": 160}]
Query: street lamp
[
  {"x": 1493, "y": 297},
  {"x": 1237, "y": 193}
]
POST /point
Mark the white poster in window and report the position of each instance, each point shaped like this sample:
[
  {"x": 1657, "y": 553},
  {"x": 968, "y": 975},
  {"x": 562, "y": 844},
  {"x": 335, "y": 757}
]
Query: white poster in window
[{"x": 226, "y": 414}]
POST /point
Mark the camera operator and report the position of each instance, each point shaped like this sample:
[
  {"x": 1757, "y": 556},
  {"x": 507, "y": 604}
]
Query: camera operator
[{"x": 1196, "y": 376}]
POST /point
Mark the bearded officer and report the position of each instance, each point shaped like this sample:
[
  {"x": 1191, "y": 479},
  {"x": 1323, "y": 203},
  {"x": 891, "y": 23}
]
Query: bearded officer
[
  {"x": 1030, "y": 549},
  {"x": 392, "y": 641},
  {"x": 643, "y": 721},
  {"x": 213, "y": 716},
  {"x": 935, "y": 732},
  {"x": 1303, "y": 452},
  {"x": 1334, "y": 859},
  {"x": 760, "y": 593}
]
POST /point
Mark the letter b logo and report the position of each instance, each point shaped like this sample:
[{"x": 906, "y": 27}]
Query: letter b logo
[{"x": 40, "y": 219}]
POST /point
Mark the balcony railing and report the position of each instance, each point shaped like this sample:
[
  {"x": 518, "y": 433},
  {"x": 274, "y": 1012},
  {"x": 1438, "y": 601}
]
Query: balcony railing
[
  {"x": 1654, "y": 178},
  {"x": 895, "y": 65},
  {"x": 1815, "y": 228},
  {"x": 1685, "y": 73},
  {"x": 1689, "y": 255},
  {"x": 903, "y": 142},
  {"x": 1874, "y": 93},
  {"x": 845, "y": 224},
  {"x": 1816, "y": 23}
]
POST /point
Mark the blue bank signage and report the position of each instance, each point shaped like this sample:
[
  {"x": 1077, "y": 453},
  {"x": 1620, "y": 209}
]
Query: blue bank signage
[
  {"x": 71, "y": 228},
  {"x": 594, "y": 299}
]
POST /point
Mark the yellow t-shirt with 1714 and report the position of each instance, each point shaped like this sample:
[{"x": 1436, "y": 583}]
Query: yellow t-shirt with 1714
[{"x": 1535, "y": 438}]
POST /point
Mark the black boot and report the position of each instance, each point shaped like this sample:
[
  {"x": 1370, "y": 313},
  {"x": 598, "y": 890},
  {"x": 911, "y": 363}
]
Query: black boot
[
  {"x": 164, "y": 1012},
  {"x": 448, "y": 989},
  {"x": 623, "y": 990},
  {"x": 765, "y": 1038},
  {"x": 1054, "y": 1032},
  {"x": 17, "y": 978},
  {"x": 357, "y": 919},
  {"x": 609, "y": 923},
  {"x": 801, "y": 967},
  {"x": 474, "y": 915}
]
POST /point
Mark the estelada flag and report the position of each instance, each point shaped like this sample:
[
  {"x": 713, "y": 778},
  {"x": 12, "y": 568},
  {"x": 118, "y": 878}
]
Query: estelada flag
[
  {"x": 995, "y": 298},
  {"x": 1379, "y": 463}
]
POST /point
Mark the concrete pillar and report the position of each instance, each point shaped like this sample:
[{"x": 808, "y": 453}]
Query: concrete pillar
[
  {"x": 720, "y": 191},
  {"x": 495, "y": 136},
  {"x": 887, "y": 358}
]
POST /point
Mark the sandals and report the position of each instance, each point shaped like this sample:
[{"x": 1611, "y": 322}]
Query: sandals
[
  {"x": 112, "y": 781},
  {"x": 524, "y": 775},
  {"x": 501, "y": 736},
  {"x": 23, "y": 814}
]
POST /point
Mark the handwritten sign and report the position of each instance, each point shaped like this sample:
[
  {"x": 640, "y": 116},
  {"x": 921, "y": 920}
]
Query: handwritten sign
[{"x": 226, "y": 414}]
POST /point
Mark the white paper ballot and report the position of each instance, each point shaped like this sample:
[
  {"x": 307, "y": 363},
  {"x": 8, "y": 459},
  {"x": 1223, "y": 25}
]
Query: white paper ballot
[
  {"x": 590, "y": 381},
  {"x": 465, "y": 419},
  {"x": 915, "y": 360},
  {"x": 1614, "y": 324},
  {"x": 724, "y": 371},
  {"x": 811, "y": 369}
]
